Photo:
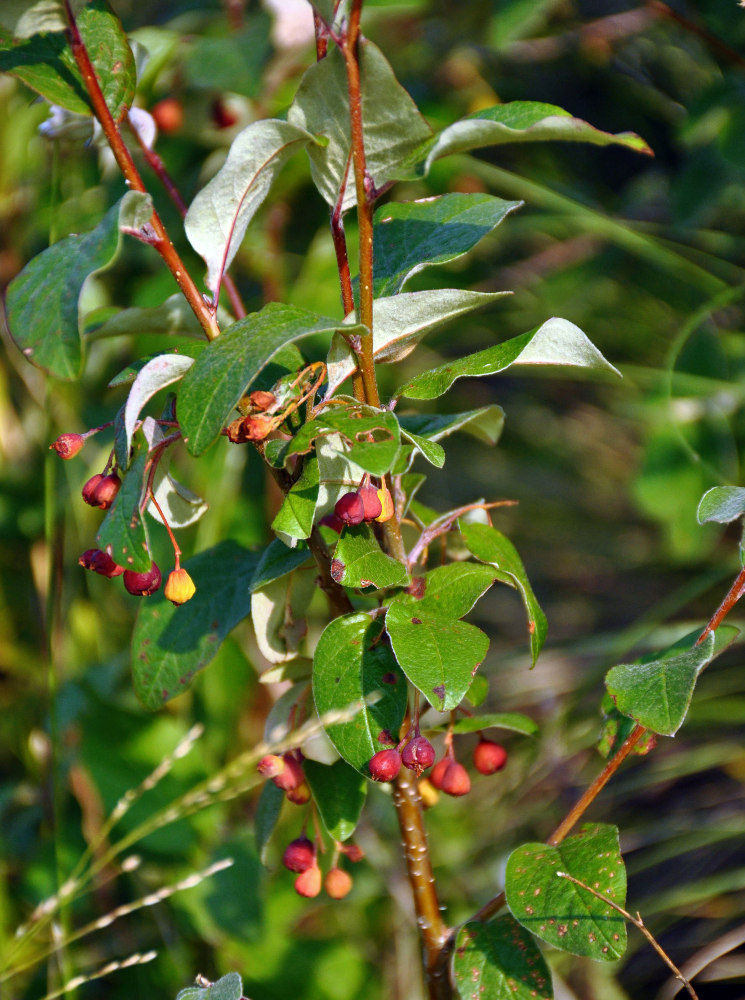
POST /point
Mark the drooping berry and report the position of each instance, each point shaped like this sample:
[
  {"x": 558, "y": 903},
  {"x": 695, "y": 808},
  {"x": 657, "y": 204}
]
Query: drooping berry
[
  {"x": 418, "y": 754},
  {"x": 142, "y": 584},
  {"x": 299, "y": 855},
  {"x": 350, "y": 509},
  {"x": 489, "y": 757},
  {"x": 291, "y": 776},
  {"x": 68, "y": 445},
  {"x": 337, "y": 883},
  {"x": 100, "y": 562},
  {"x": 438, "y": 772},
  {"x": 332, "y": 521},
  {"x": 385, "y": 765},
  {"x": 90, "y": 488},
  {"x": 308, "y": 883},
  {"x": 455, "y": 780},
  {"x": 179, "y": 587},
  {"x": 299, "y": 796},
  {"x": 370, "y": 502},
  {"x": 106, "y": 491},
  {"x": 386, "y": 504}
]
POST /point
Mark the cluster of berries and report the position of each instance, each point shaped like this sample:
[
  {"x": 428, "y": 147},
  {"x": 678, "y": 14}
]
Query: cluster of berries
[
  {"x": 365, "y": 504},
  {"x": 101, "y": 491},
  {"x": 287, "y": 773},
  {"x": 301, "y": 856},
  {"x": 447, "y": 775}
]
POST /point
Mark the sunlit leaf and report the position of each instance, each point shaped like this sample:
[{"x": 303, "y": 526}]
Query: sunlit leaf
[
  {"x": 499, "y": 960},
  {"x": 360, "y": 562}
]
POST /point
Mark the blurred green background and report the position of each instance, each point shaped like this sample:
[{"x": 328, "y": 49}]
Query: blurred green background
[{"x": 646, "y": 256}]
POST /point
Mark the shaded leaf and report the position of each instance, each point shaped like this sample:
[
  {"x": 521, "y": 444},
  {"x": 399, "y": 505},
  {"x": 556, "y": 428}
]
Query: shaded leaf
[
  {"x": 123, "y": 533},
  {"x": 485, "y": 424},
  {"x": 491, "y": 546},
  {"x": 219, "y": 215},
  {"x": 561, "y": 913},
  {"x": 268, "y": 809},
  {"x": 721, "y": 504},
  {"x": 277, "y": 560},
  {"x": 439, "y": 655},
  {"x": 171, "y": 644},
  {"x": 360, "y": 562},
  {"x": 514, "y": 721},
  {"x": 353, "y": 666},
  {"x": 277, "y": 612},
  {"x": 556, "y": 342},
  {"x": 42, "y": 302},
  {"x": 179, "y": 504},
  {"x": 433, "y": 452},
  {"x": 499, "y": 960},
  {"x": 339, "y": 792},
  {"x": 412, "y": 235},
  {"x": 294, "y": 518},
  {"x": 172, "y": 317}
]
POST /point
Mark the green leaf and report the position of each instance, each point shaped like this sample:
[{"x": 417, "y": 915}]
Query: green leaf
[
  {"x": 451, "y": 591},
  {"x": 434, "y": 453},
  {"x": 354, "y": 667},
  {"x": 123, "y": 533},
  {"x": 514, "y": 721},
  {"x": 392, "y": 124},
  {"x": 360, "y": 562},
  {"x": 657, "y": 694},
  {"x": 400, "y": 322},
  {"x": 276, "y": 561},
  {"x": 485, "y": 424},
  {"x": 226, "y": 368},
  {"x": 499, "y": 961},
  {"x": 230, "y": 987},
  {"x": 171, "y": 644},
  {"x": 339, "y": 792},
  {"x": 478, "y": 690},
  {"x": 518, "y": 121},
  {"x": 354, "y": 423},
  {"x": 721, "y": 504},
  {"x": 172, "y": 317},
  {"x": 412, "y": 235},
  {"x": 295, "y": 517},
  {"x": 439, "y": 655},
  {"x": 219, "y": 215},
  {"x": 556, "y": 342},
  {"x": 491, "y": 546},
  {"x": 45, "y": 62},
  {"x": 43, "y": 301},
  {"x": 268, "y": 809},
  {"x": 561, "y": 913}
]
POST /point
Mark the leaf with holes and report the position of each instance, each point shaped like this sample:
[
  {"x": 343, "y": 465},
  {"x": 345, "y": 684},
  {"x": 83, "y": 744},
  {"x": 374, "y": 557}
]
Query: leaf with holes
[
  {"x": 499, "y": 960},
  {"x": 339, "y": 793},
  {"x": 360, "y": 562},
  {"x": 491, "y": 546},
  {"x": 439, "y": 655},
  {"x": 412, "y": 235},
  {"x": 171, "y": 644},
  {"x": 556, "y": 342},
  {"x": 560, "y": 912},
  {"x": 354, "y": 668},
  {"x": 43, "y": 301},
  {"x": 123, "y": 532},
  {"x": 657, "y": 694}
]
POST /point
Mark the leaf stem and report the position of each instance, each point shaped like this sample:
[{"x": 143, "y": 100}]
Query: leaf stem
[{"x": 123, "y": 157}]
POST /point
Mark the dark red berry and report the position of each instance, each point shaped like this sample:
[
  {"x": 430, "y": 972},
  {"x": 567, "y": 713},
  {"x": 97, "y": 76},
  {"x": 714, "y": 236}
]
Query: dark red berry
[
  {"x": 100, "y": 562},
  {"x": 106, "y": 491},
  {"x": 337, "y": 883},
  {"x": 455, "y": 780},
  {"x": 350, "y": 509},
  {"x": 90, "y": 488},
  {"x": 142, "y": 584},
  {"x": 370, "y": 502},
  {"x": 300, "y": 855},
  {"x": 332, "y": 521},
  {"x": 385, "y": 765},
  {"x": 308, "y": 883},
  {"x": 418, "y": 754},
  {"x": 68, "y": 445},
  {"x": 489, "y": 757}
]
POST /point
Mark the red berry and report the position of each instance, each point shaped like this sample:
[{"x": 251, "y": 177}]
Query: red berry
[
  {"x": 100, "y": 562},
  {"x": 350, "y": 509},
  {"x": 300, "y": 855},
  {"x": 418, "y": 754},
  {"x": 370, "y": 502},
  {"x": 308, "y": 883},
  {"x": 385, "y": 765},
  {"x": 489, "y": 757},
  {"x": 271, "y": 765},
  {"x": 106, "y": 491},
  {"x": 90, "y": 488},
  {"x": 438, "y": 772},
  {"x": 455, "y": 780},
  {"x": 224, "y": 117},
  {"x": 68, "y": 445},
  {"x": 291, "y": 776},
  {"x": 142, "y": 584},
  {"x": 337, "y": 883},
  {"x": 168, "y": 114}
]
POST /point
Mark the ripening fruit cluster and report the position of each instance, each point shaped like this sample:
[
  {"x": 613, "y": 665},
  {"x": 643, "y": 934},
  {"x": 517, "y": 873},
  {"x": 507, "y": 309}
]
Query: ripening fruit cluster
[
  {"x": 301, "y": 857},
  {"x": 287, "y": 773},
  {"x": 447, "y": 775},
  {"x": 365, "y": 504}
]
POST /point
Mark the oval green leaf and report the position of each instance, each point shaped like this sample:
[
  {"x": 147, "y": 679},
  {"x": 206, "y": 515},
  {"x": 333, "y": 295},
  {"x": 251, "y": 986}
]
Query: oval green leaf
[
  {"x": 339, "y": 792},
  {"x": 499, "y": 961}
]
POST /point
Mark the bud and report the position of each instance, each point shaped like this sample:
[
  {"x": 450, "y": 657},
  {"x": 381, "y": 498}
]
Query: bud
[
  {"x": 418, "y": 754},
  {"x": 299, "y": 855},
  {"x": 337, "y": 883},
  {"x": 106, "y": 491},
  {"x": 489, "y": 757},
  {"x": 271, "y": 765},
  {"x": 252, "y": 428},
  {"x": 90, "y": 488},
  {"x": 179, "y": 587},
  {"x": 370, "y": 502},
  {"x": 385, "y": 765},
  {"x": 308, "y": 883},
  {"x": 142, "y": 584},
  {"x": 299, "y": 796},
  {"x": 68, "y": 445},
  {"x": 350, "y": 509},
  {"x": 100, "y": 562},
  {"x": 386, "y": 503}
]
